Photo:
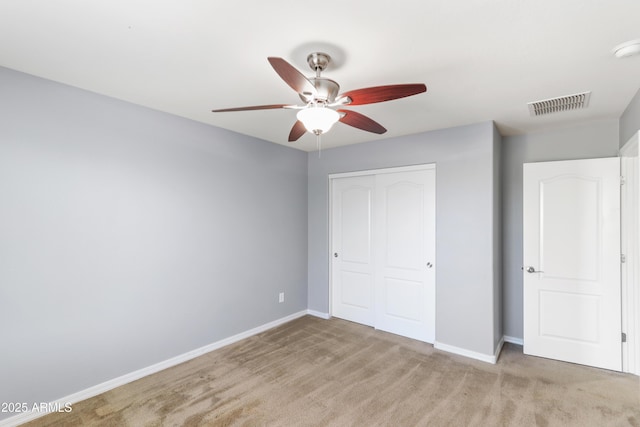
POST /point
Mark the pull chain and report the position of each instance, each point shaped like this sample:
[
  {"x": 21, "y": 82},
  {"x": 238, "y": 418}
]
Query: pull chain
[{"x": 319, "y": 144}]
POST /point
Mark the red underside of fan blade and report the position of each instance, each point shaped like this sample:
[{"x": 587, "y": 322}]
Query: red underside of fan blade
[
  {"x": 254, "y": 107},
  {"x": 297, "y": 131},
  {"x": 372, "y": 95},
  {"x": 361, "y": 121}
]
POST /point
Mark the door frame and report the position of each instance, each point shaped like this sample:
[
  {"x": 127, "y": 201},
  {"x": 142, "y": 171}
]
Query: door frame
[
  {"x": 332, "y": 176},
  {"x": 630, "y": 247}
]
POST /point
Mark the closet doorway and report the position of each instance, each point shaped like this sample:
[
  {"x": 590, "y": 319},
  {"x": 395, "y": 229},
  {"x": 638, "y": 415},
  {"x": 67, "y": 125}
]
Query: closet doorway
[{"x": 383, "y": 265}]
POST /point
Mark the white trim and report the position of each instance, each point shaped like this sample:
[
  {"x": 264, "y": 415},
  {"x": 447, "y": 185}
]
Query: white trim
[
  {"x": 513, "y": 340},
  {"x": 319, "y": 314},
  {"x": 471, "y": 354},
  {"x": 330, "y": 240},
  {"x": 420, "y": 167},
  {"x": 630, "y": 247},
  {"x": 630, "y": 148},
  {"x": 136, "y": 375}
]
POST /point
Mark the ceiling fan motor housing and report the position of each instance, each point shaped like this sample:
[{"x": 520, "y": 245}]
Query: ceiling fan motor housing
[{"x": 326, "y": 91}]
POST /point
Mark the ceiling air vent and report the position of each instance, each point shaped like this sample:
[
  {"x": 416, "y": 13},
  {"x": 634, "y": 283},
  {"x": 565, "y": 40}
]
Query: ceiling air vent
[{"x": 562, "y": 103}]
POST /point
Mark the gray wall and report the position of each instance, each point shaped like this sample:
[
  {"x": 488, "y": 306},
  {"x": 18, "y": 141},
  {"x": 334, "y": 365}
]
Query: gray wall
[
  {"x": 465, "y": 223},
  {"x": 630, "y": 120},
  {"x": 590, "y": 140},
  {"x": 130, "y": 236}
]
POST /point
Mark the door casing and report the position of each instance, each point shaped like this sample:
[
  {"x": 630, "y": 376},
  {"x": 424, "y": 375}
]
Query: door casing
[{"x": 630, "y": 247}]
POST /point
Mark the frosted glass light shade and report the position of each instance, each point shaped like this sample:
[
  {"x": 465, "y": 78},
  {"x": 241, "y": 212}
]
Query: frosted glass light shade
[{"x": 318, "y": 120}]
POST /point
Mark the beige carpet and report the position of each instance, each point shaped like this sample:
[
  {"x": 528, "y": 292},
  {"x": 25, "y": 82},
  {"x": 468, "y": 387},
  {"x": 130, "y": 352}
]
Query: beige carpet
[{"x": 313, "y": 372}]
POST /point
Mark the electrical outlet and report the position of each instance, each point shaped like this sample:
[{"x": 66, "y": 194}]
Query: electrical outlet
[{"x": 281, "y": 297}]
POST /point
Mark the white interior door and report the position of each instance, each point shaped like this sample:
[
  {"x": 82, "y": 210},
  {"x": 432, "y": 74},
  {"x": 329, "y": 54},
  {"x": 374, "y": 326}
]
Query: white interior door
[
  {"x": 405, "y": 254},
  {"x": 572, "y": 308},
  {"x": 352, "y": 260}
]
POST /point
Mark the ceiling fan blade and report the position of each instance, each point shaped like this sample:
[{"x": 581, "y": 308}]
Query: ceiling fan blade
[
  {"x": 292, "y": 76},
  {"x": 361, "y": 121},
  {"x": 371, "y": 95},
  {"x": 297, "y": 131},
  {"x": 255, "y": 107}
]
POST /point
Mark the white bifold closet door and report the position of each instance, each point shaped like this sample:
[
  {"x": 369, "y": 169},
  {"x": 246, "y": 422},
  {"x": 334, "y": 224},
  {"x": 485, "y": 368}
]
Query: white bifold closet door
[{"x": 383, "y": 260}]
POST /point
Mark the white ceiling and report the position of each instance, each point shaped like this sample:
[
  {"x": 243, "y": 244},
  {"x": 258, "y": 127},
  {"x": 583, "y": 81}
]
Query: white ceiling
[{"x": 480, "y": 59}]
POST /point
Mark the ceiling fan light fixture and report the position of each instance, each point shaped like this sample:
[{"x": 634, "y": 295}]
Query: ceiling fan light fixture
[{"x": 318, "y": 120}]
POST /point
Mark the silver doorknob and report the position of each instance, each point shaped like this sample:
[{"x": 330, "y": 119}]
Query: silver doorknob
[{"x": 533, "y": 270}]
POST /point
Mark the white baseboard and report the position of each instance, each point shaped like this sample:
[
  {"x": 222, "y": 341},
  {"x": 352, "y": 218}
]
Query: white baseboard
[
  {"x": 24, "y": 417},
  {"x": 319, "y": 314},
  {"x": 513, "y": 340},
  {"x": 471, "y": 354}
]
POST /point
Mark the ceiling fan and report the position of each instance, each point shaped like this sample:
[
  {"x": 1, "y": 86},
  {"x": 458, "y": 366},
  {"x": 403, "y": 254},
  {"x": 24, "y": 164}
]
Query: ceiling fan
[{"x": 323, "y": 102}]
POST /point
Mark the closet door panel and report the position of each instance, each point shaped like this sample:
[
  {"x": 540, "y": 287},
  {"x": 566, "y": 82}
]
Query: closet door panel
[
  {"x": 352, "y": 296},
  {"x": 405, "y": 272},
  {"x": 403, "y": 225}
]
